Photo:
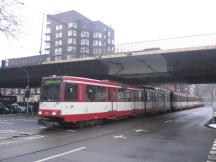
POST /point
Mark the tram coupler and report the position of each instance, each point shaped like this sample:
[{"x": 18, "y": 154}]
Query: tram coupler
[{"x": 48, "y": 123}]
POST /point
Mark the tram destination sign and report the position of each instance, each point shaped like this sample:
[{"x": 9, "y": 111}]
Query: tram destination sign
[{"x": 47, "y": 82}]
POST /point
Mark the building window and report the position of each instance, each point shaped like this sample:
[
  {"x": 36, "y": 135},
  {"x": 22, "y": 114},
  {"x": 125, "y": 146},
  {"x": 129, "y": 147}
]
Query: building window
[
  {"x": 48, "y": 30},
  {"x": 59, "y": 27},
  {"x": 58, "y": 43},
  {"x": 84, "y": 42},
  {"x": 73, "y": 40},
  {"x": 72, "y": 25},
  {"x": 85, "y": 34},
  {"x": 72, "y": 33},
  {"x": 69, "y": 32},
  {"x": 97, "y": 43},
  {"x": 48, "y": 38},
  {"x": 97, "y": 35},
  {"x": 57, "y": 58},
  {"x": 109, "y": 41},
  {"x": 109, "y": 34},
  {"x": 58, "y": 35},
  {"x": 58, "y": 51},
  {"x": 96, "y": 50},
  {"x": 85, "y": 50},
  {"x": 71, "y": 49},
  {"x": 47, "y": 51},
  {"x": 113, "y": 42},
  {"x": 70, "y": 41},
  {"x": 47, "y": 45}
]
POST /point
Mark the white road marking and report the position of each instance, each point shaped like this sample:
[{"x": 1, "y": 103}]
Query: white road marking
[
  {"x": 43, "y": 127},
  {"x": 168, "y": 121},
  {"x": 10, "y": 142},
  {"x": 25, "y": 133},
  {"x": 120, "y": 136},
  {"x": 141, "y": 130},
  {"x": 7, "y": 131},
  {"x": 211, "y": 157},
  {"x": 212, "y": 152},
  {"x": 65, "y": 153},
  {"x": 5, "y": 122},
  {"x": 28, "y": 120},
  {"x": 20, "y": 140},
  {"x": 213, "y": 148},
  {"x": 71, "y": 130},
  {"x": 3, "y": 138}
]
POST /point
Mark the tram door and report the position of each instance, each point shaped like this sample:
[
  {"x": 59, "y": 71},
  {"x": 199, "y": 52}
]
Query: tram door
[
  {"x": 135, "y": 99},
  {"x": 112, "y": 97}
]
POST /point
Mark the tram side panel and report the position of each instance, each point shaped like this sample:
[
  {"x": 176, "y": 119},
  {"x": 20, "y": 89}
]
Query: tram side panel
[{"x": 157, "y": 101}]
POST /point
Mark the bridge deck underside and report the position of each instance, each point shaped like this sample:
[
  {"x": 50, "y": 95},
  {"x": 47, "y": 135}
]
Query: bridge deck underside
[{"x": 196, "y": 66}]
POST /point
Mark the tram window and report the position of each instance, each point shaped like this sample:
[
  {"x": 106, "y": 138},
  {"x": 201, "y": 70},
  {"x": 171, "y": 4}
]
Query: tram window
[
  {"x": 100, "y": 93},
  {"x": 121, "y": 95},
  {"x": 148, "y": 96},
  {"x": 91, "y": 93},
  {"x": 140, "y": 96},
  {"x": 51, "y": 92},
  {"x": 134, "y": 95},
  {"x": 127, "y": 95},
  {"x": 70, "y": 92},
  {"x": 111, "y": 94}
]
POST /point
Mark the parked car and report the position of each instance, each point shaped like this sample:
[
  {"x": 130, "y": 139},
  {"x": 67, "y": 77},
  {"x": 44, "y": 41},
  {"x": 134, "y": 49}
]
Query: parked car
[
  {"x": 4, "y": 109},
  {"x": 19, "y": 108}
]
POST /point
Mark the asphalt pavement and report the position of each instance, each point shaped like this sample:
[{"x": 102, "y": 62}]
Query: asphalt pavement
[{"x": 181, "y": 136}]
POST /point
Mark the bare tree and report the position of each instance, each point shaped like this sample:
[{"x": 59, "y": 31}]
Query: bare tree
[{"x": 9, "y": 21}]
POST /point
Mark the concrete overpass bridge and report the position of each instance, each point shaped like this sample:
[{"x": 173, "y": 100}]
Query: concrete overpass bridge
[{"x": 176, "y": 60}]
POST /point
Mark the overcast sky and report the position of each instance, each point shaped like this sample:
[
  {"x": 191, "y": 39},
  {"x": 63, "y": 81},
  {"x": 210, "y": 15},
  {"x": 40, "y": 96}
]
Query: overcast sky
[{"x": 132, "y": 20}]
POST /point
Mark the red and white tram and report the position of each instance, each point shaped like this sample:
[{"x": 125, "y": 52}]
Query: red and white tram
[
  {"x": 75, "y": 99},
  {"x": 67, "y": 99}
]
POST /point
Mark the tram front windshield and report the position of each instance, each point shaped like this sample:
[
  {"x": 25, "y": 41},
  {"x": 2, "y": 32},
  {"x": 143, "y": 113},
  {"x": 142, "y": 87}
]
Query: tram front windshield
[{"x": 50, "y": 90}]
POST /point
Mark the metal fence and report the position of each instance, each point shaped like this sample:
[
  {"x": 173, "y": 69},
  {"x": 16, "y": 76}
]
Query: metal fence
[{"x": 169, "y": 43}]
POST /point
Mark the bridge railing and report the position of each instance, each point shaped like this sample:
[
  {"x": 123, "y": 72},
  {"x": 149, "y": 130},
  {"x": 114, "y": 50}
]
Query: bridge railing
[{"x": 169, "y": 43}]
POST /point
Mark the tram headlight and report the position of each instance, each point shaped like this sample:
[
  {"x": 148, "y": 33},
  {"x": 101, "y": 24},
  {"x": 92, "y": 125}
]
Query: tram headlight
[
  {"x": 54, "y": 113},
  {"x": 39, "y": 112}
]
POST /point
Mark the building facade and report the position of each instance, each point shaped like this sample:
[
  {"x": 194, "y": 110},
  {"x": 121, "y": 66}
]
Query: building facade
[{"x": 71, "y": 34}]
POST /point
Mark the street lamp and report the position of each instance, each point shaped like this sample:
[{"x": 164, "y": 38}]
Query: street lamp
[
  {"x": 27, "y": 86},
  {"x": 41, "y": 39},
  {"x": 42, "y": 30},
  {"x": 27, "y": 74}
]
